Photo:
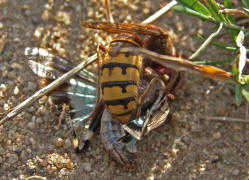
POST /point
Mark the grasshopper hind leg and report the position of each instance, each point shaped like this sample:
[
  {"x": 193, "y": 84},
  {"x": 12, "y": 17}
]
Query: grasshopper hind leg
[{"x": 82, "y": 146}]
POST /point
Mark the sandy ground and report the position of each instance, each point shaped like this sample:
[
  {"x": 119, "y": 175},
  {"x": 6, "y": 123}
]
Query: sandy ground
[{"x": 186, "y": 147}]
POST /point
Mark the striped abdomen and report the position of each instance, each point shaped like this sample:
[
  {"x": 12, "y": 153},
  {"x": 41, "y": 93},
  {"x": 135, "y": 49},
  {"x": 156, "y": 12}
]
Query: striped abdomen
[{"x": 120, "y": 77}]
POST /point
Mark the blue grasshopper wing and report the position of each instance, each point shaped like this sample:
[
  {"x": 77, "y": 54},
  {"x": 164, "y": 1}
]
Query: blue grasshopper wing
[{"x": 79, "y": 92}]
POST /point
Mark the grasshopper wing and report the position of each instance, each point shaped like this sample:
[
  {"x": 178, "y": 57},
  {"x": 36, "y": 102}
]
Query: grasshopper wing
[{"x": 79, "y": 92}]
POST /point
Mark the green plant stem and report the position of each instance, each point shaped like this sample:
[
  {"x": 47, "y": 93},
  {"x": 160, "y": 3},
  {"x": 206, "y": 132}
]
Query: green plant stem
[
  {"x": 230, "y": 48},
  {"x": 202, "y": 48}
]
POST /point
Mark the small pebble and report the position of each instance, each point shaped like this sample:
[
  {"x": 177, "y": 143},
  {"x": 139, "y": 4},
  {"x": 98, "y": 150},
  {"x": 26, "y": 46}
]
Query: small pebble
[
  {"x": 31, "y": 109},
  {"x": 9, "y": 142},
  {"x": 146, "y": 11},
  {"x": 90, "y": 13},
  {"x": 87, "y": 166},
  {"x": 215, "y": 159},
  {"x": 176, "y": 116},
  {"x": 16, "y": 91},
  {"x": 236, "y": 127},
  {"x": 67, "y": 143},
  {"x": 30, "y": 164},
  {"x": 217, "y": 135},
  {"x": 31, "y": 86},
  {"x": 3, "y": 87},
  {"x": 36, "y": 20},
  {"x": 28, "y": 150},
  {"x": 6, "y": 107},
  {"x": 32, "y": 140},
  {"x": 151, "y": 178},
  {"x": 31, "y": 125},
  {"x": 43, "y": 162},
  {"x": 33, "y": 118},
  {"x": 5, "y": 74},
  {"x": 13, "y": 158},
  {"x": 45, "y": 16},
  {"x": 16, "y": 40},
  {"x": 113, "y": 163},
  {"x": 63, "y": 171},
  {"x": 64, "y": 17},
  {"x": 38, "y": 32},
  {"x": 2, "y": 150},
  {"x": 19, "y": 141},
  {"x": 16, "y": 66},
  {"x": 41, "y": 110},
  {"x": 1, "y": 94},
  {"x": 12, "y": 75},
  {"x": 22, "y": 177},
  {"x": 69, "y": 165},
  {"x": 43, "y": 100},
  {"x": 59, "y": 142},
  {"x": 235, "y": 172},
  {"x": 38, "y": 120},
  {"x": 2, "y": 42},
  {"x": 25, "y": 7},
  {"x": 221, "y": 176},
  {"x": 18, "y": 150}
]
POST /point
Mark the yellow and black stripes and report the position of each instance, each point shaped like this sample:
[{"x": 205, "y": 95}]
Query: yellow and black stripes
[
  {"x": 123, "y": 66},
  {"x": 121, "y": 84},
  {"x": 119, "y": 80},
  {"x": 123, "y": 102}
]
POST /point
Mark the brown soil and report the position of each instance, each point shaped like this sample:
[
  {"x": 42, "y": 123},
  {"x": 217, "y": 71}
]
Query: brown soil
[{"x": 186, "y": 147}]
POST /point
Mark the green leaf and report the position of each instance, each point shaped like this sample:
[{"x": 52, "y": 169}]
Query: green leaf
[
  {"x": 186, "y": 10},
  {"x": 195, "y": 5},
  {"x": 245, "y": 92},
  {"x": 245, "y": 3},
  {"x": 230, "y": 19},
  {"x": 246, "y": 77},
  {"x": 228, "y": 4},
  {"x": 214, "y": 10},
  {"x": 238, "y": 95},
  {"x": 246, "y": 34},
  {"x": 235, "y": 71},
  {"x": 234, "y": 34},
  {"x": 245, "y": 80}
]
